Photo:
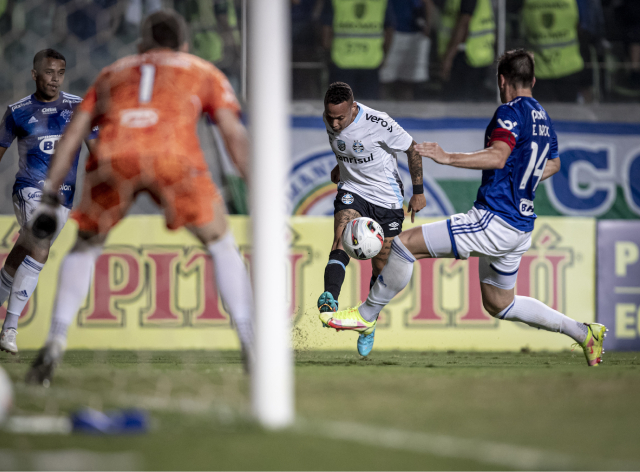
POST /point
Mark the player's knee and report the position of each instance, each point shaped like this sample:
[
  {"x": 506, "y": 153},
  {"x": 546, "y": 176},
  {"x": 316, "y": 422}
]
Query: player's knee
[{"x": 494, "y": 307}]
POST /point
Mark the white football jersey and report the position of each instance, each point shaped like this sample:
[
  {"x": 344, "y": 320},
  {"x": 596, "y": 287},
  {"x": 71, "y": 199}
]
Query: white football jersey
[{"x": 366, "y": 153}]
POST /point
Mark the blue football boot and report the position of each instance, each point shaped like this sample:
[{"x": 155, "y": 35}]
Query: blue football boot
[
  {"x": 326, "y": 303},
  {"x": 365, "y": 343}
]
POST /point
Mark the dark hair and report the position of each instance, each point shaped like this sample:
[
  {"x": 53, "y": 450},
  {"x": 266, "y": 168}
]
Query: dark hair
[
  {"x": 47, "y": 53},
  {"x": 163, "y": 29},
  {"x": 518, "y": 68},
  {"x": 338, "y": 92}
]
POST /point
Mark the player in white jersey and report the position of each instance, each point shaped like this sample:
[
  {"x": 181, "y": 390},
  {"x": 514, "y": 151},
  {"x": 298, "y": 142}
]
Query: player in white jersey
[
  {"x": 365, "y": 142},
  {"x": 521, "y": 150}
]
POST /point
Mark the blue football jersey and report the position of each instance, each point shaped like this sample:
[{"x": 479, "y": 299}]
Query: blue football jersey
[
  {"x": 38, "y": 127},
  {"x": 509, "y": 192}
]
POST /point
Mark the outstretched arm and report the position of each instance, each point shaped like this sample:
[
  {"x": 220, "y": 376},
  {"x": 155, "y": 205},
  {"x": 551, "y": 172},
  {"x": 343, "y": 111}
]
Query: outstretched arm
[
  {"x": 235, "y": 139},
  {"x": 493, "y": 157},
  {"x": 65, "y": 154},
  {"x": 418, "y": 201}
]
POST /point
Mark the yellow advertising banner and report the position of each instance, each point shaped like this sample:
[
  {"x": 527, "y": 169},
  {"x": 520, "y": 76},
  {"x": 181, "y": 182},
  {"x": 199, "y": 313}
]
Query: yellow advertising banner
[{"x": 155, "y": 289}]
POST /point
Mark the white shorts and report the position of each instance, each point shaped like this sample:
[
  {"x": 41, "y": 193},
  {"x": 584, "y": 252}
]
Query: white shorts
[
  {"x": 25, "y": 202},
  {"x": 485, "y": 235},
  {"x": 408, "y": 59}
]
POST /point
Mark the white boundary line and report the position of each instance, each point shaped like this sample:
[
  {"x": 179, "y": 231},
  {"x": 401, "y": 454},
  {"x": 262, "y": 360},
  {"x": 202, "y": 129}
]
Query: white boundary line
[{"x": 485, "y": 452}]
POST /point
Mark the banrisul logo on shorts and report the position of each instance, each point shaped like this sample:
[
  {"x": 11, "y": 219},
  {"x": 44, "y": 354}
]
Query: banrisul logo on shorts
[
  {"x": 341, "y": 145},
  {"x": 347, "y": 199},
  {"x": 48, "y": 143},
  {"x": 358, "y": 147}
]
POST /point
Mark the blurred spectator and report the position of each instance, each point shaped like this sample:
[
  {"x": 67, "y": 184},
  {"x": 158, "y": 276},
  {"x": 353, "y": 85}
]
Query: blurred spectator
[
  {"x": 305, "y": 53},
  {"x": 358, "y": 35},
  {"x": 215, "y": 34},
  {"x": 407, "y": 64},
  {"x": 551, "y": 30},
  {"x": 138, "y": 9},
  {"x": 466, "y": 43},
  {"x": 628, "y": 16}
]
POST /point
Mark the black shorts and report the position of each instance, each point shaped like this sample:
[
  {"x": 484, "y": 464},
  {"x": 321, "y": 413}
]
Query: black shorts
[{"x": 390, "y": 220}]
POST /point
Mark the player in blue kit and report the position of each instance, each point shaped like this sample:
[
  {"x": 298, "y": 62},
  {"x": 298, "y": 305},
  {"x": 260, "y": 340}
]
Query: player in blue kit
[
  {"x": 37, "y": 121},
  {"x": 521, "y": 150}
]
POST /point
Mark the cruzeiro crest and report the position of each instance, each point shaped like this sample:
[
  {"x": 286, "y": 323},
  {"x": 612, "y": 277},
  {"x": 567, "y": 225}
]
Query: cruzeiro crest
[
  {"x": 358, "y": 147},
  {"x": 341, "y": 145},
  {"x": 66, "y": 114}
]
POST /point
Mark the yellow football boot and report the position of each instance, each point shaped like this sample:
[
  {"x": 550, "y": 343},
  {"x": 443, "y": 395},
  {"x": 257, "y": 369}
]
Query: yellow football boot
[{"x": 348, "y": 320}]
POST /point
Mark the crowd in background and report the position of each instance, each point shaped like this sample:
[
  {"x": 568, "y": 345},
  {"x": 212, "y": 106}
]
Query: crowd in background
[{"x": 585, "y": 50}]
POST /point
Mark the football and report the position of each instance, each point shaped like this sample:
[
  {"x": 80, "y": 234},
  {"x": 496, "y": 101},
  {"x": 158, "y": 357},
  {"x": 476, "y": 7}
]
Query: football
[
  {"x": 6, "y": 395},
  {"x": 362, "y": 238}
]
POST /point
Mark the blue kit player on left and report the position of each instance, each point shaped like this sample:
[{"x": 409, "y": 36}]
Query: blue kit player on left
[{"x": 37, "y": 121}]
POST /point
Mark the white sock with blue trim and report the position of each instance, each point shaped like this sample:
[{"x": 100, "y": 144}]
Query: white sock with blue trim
[
  {"x": 394, "y": 277},
  {"x": 6, "y": 282},
  {"x": 24, "y": 283},
  {"x": 74, "y": 281},
  {"x": 538, "y": 315}
]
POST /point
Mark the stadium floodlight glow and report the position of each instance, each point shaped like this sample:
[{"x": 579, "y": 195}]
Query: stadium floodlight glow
[{"x": 269, "y": 70}]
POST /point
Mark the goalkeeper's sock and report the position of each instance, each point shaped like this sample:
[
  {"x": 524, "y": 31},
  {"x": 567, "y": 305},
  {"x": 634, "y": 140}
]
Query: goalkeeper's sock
[
  {"x": 74, "y": 281},
  {"x": 538, "y": 315},
  {"x": 394, "y": 277},
  {"x": 234, "y": 286},
  {"x": 334, "y": 272},
  {"x": 6, "y": 282},
  {"x": 24, "y": 283}
]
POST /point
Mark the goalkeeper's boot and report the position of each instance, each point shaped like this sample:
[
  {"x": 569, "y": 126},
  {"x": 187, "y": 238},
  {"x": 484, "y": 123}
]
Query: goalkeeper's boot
[
  {"x": 348, "y": 320},
  {"x": 365, "y": 343},
  {"x": 49, "y": 357},
  {"x": 592, "y": 345},
  {"x": 327, "y": 303},
  {"x": 8, "y": 341}
]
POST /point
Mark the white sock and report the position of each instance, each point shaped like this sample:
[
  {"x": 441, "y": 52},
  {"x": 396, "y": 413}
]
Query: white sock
[
  {"x": 234, "y": 286},
  {"x": 74, "y": 281},
  {"x": 535, "y": 313},
  {"x": 6, "y": 282},
  {"x": 24, "y": 283},
  {"x": 394, "y": 277}
]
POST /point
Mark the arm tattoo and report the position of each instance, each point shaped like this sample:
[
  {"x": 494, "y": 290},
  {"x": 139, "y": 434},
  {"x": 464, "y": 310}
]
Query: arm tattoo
[{"x": 415, "y": 165}]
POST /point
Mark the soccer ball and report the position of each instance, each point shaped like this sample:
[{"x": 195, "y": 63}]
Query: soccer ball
[
  {"x": 6, "y": 395},
  {"x": 362, "y": 238}
]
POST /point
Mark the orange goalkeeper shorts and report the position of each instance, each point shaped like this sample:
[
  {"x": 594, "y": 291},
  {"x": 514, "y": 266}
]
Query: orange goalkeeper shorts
[{"x": 186, "y": 194}]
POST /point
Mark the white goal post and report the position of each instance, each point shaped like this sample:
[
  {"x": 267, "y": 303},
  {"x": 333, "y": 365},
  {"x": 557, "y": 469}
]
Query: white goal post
[{"x": 268, "y": 103}]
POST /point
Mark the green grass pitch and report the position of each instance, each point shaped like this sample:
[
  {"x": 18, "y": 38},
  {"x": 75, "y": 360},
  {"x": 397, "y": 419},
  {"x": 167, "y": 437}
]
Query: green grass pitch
[{"x": 392, "y": 411}]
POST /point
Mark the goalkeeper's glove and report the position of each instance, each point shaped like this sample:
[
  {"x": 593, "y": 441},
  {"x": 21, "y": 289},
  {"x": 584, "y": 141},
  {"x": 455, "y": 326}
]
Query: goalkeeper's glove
[{"x": 44, "y": 220}]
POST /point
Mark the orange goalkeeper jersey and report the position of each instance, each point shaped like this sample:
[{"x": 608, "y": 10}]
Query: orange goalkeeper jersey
[{"x": 148, "y": 106}]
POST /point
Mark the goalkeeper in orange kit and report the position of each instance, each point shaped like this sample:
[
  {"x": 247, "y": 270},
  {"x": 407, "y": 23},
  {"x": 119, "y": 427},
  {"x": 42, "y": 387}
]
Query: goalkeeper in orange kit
[{"x": 147, "y": 106}]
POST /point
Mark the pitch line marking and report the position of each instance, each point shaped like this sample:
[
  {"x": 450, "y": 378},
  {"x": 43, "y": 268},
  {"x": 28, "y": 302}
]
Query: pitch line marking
[{"x": 488, "y": 452}]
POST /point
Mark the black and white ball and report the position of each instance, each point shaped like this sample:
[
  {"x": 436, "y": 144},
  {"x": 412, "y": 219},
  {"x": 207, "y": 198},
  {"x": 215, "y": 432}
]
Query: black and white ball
[{"x": 362, "y": 238}]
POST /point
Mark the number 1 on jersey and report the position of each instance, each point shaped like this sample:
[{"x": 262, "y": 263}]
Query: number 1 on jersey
[
  {"x": 147, "y": 77},
  {"x": 538, "y": 166}
]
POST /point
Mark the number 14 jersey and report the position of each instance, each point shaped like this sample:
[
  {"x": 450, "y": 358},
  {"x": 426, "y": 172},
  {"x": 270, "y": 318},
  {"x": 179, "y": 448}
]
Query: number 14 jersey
[{"x": 509, "y": 192}]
